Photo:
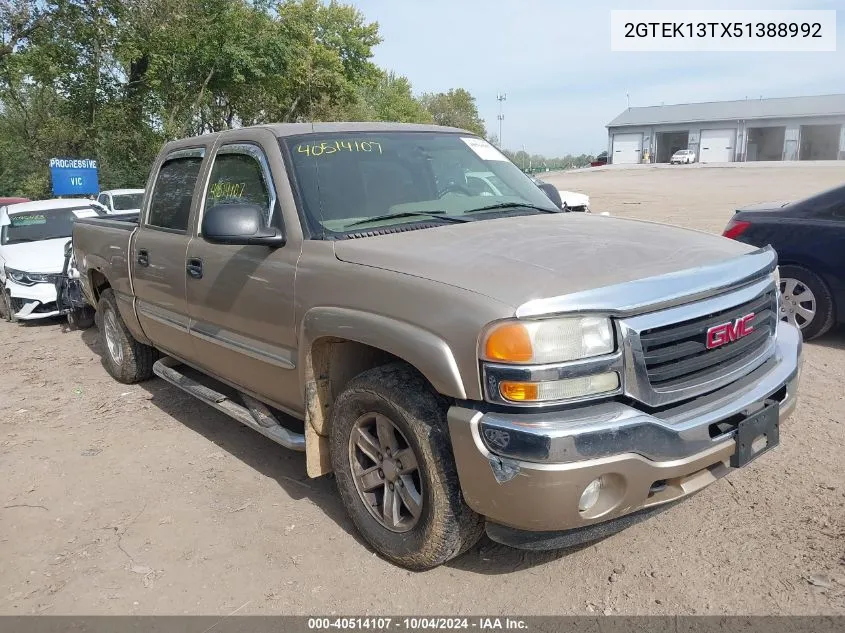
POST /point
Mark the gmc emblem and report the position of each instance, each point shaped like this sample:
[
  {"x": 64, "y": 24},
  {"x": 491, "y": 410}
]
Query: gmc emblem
[{"x": 718, "y": 335}]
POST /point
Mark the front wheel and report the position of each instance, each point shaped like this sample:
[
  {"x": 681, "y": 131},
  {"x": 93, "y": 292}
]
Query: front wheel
[
  {"x": 395, "y": 471},
  {"x": 8, "y": 308}
]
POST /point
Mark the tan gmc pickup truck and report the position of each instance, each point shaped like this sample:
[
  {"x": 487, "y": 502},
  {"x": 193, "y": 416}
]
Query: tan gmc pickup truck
[{"x": 462, "y": 359}]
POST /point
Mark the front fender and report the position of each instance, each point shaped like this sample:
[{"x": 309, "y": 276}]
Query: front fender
[{"x": 431, "y": 355}]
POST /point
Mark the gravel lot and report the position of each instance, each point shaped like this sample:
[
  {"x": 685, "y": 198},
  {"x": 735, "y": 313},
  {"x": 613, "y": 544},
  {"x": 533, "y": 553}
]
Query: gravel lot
[{"x": 119, "y": 500}]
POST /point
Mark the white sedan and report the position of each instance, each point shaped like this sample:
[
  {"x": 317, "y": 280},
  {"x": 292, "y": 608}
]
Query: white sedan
[
  {"x": 486, "y": 183},
  {"x": 32, "y": 253},
  {"x": 682, "y": 157},
  {"x": 121, "y": 200}
]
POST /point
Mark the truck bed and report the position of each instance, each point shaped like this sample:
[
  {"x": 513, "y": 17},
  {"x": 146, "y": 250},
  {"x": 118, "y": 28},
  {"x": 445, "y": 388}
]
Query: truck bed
[{"x": 101, "y": 247}]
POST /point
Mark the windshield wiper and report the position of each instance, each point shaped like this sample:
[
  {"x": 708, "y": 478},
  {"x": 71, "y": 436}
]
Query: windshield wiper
[
  {"x": 511, "y": 205},
  {"x": 434, "y": 215}
]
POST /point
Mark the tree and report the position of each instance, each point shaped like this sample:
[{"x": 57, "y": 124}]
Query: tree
[
  {"x": 389, "y": 98},
  {"x": 455, "y": 108},
  {"x": 114, "y": 79}
]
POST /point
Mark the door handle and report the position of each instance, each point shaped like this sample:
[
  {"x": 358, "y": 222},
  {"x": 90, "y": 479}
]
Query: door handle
[
  {"x": 194, "y": 267},
  {"x": 143, "y": 257}
]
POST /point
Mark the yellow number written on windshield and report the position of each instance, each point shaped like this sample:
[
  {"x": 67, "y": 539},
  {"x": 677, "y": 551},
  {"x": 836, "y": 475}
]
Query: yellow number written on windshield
[{"x": 327, "y": 148}]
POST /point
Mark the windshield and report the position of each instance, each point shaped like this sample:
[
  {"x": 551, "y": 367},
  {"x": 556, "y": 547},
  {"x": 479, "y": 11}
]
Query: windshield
[
  {"x": 350, "y": 181},
  {"x": 48, "y": 224},
  {"x": 127, "y": 201}
]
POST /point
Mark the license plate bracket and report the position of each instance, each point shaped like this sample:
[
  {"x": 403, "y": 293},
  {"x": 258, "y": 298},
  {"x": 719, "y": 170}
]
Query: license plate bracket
[{"x": 757, "y": 434}]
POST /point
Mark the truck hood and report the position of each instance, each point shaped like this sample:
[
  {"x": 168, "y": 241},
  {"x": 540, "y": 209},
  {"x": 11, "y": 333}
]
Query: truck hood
[
  {"x": 45, "y": 256},
  {"x": 518, "y": 259}
]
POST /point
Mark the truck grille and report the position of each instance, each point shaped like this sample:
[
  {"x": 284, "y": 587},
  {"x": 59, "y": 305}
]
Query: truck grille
[{"x": 677, "y": 354}]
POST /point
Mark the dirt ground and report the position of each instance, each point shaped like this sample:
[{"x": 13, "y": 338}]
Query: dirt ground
[{"x": 139, "y": 500}]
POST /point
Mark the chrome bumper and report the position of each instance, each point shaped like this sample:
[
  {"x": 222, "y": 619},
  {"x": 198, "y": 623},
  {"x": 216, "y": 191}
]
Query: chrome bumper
[{"x": 528, "y": 470}]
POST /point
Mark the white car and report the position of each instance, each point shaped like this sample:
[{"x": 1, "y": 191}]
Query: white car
[
  {"x": 575, "y": 201},
  {"x": 32, "y": 253},
  {"x": 488, "y": 183},
  {"x": 121, "y": 200},
  {"x": 682, "y": 157}
]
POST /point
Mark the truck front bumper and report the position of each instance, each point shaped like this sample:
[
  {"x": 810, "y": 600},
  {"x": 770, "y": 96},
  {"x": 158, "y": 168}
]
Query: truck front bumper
[{"x": 526, "y": 472}]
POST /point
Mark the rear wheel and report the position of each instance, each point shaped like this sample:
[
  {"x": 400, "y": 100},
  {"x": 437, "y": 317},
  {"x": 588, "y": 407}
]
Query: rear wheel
[
  {"x": 806, "y": 301},
  {"x": 125, "y": 359},
  {"x": 394, "y": 468}
]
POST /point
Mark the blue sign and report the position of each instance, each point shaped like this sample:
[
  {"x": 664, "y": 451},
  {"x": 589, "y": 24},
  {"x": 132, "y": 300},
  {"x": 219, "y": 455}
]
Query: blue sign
[{"x": 74, "y": 176}]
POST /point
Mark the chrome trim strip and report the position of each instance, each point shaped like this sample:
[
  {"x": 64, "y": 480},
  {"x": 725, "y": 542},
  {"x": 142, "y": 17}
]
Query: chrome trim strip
[
  {"x": 637, "y": 384},
  {"x": 272, "y": 354},
  {"x": 494, "y": 373},
  {"x": 662, "y": 291},
  {"x": 612, "y": 428},
  {"x": 162, "y": 315}
]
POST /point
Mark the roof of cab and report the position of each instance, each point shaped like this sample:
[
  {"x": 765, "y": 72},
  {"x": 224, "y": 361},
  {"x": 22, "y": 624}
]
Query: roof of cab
[
  {"x": 49, "y": 205},
  {"x": 293, "y": 129}
]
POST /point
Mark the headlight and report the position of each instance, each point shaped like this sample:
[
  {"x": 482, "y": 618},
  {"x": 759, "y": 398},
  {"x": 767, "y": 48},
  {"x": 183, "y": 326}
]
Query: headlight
[
  {"x": 548, "y": 341},
  {"x": 28, "y": 279},
  {"x": 550, "y": 361}
]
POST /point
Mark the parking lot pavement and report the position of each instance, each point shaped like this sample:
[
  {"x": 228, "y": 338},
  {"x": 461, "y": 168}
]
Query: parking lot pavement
[{"x": 138, "y": 499}]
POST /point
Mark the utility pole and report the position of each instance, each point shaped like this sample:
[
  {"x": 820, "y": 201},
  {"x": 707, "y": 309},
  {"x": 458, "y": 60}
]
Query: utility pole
[{"x": 500, "y": 98}]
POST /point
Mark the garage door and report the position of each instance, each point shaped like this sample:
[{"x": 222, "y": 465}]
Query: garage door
[
  {"x": 717, "y": 146},
  {"x": 626, "y": 148}
]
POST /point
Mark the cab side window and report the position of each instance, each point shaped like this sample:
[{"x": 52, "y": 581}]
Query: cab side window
[
  {"x": 170, "y": 203},
  {"x": 239, "y": 177}
]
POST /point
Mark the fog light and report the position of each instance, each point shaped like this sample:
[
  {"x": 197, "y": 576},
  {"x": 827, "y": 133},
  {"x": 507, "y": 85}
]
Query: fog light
[{"x": 590, "y": 496}]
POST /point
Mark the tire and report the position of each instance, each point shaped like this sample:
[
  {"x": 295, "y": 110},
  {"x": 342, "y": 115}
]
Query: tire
[
  {"x": 127, "y": 360},
  {"x": 8, "y": 309},
  {"x": 80, "y": 318},
  {"x": 805, "y": 280},
  {"x": 445, "y": 526}
]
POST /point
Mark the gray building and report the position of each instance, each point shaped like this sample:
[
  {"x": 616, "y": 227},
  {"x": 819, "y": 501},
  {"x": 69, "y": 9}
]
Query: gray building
[{"x": 792, "y": 128}]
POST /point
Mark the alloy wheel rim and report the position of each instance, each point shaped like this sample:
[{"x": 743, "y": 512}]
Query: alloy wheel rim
[
  {"x": 797, "y": 303},
  {"x": 115, "y": 350},
  {"x": 386, "y": 472}
]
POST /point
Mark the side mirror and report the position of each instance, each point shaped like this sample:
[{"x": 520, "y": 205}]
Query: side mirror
[
  {"x": 551, "y": 191},
  {"x": 239, "y": 224}
]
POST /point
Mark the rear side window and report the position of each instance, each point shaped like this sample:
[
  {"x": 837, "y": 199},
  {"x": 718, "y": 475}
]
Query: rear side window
[
  {"x": 238, "y": 178},
  {"x": 170, "y": 204}
]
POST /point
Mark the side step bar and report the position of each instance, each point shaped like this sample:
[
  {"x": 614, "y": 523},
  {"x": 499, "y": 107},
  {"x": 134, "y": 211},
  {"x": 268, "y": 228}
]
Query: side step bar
[{"x": 255, "y": 415}]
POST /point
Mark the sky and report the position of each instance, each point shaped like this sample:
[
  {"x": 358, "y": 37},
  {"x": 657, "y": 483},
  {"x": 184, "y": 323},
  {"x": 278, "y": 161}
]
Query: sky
[{"x": 563, "y": 83}]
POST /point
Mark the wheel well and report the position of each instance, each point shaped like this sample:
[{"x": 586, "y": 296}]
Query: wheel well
[
  {"x": 331, "y": 364},
  {"x": 99, "y": 283}
]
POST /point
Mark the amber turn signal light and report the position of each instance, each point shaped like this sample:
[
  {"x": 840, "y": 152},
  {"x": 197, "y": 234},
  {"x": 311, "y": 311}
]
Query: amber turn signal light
[{"x": 519, "y": 391}]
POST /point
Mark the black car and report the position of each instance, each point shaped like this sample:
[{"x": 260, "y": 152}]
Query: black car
[{"x": 809, "y": 237}]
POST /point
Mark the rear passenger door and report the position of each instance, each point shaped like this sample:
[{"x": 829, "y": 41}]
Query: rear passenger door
[
  {"x": 241, "y": 298},
  {"x": 159, "y": 249}
]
